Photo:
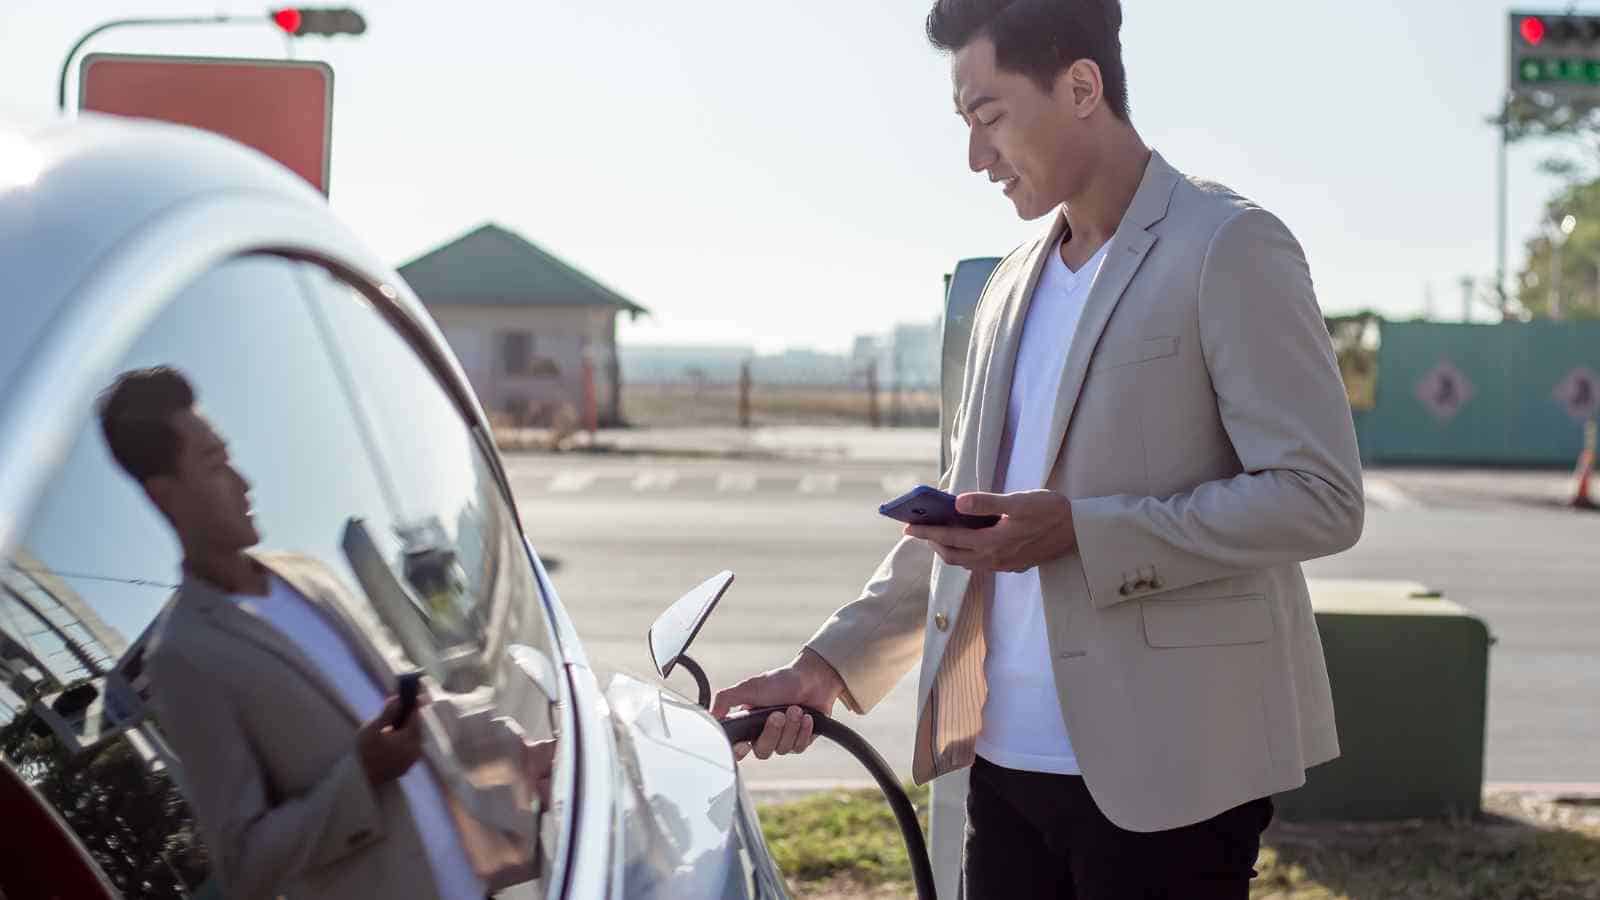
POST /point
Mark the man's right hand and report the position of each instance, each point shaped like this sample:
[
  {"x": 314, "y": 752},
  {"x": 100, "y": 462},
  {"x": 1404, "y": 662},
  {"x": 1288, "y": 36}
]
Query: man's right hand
[
  {"x": 387, "y": 752},
  {"x": 808, "y": 681}
]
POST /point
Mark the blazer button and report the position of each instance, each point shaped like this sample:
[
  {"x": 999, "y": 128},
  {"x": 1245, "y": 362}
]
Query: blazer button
[{"x": 941, "y": 621}]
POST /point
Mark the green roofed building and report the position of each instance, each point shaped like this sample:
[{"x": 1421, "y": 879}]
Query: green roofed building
[{"x": 523, "y": 322}]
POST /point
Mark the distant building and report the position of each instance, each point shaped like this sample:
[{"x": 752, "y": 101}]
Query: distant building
[
  {"x": 914, "y": 355},
  {"x": 685, "y": 364},
  {"x": 522, "y": 323},
  {"x": 865, "y": 351},
  {"x": 907, "y": 358},
  {"x": 801, "y": 366}
]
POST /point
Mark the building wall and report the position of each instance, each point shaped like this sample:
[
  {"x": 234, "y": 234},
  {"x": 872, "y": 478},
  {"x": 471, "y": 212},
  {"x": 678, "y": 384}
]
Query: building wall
[{"x": 561, "y": 337}]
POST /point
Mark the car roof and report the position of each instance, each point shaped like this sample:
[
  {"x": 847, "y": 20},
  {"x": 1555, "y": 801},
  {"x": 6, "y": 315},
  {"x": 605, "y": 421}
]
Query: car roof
[
  {"x": 100, "y": 216},
  {"x": 71, "y": 190}
]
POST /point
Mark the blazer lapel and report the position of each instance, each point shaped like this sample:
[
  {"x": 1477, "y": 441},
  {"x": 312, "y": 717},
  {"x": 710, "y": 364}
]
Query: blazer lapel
[
  {"x": 1127, "y": 250},
  {"x": 334, "y": 609},
  {"x": 1002, "y": 359},
  {"x": 242, "y": 619},
  {"x": 949, "y": 584}
]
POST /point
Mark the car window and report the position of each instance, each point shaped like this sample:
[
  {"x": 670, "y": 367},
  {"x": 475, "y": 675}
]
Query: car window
[{"x": 375, "y": 511}]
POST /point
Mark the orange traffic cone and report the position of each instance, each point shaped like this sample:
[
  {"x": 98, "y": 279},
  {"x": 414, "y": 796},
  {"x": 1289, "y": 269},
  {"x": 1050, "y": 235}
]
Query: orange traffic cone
[{"x": 1580, "y": 488}]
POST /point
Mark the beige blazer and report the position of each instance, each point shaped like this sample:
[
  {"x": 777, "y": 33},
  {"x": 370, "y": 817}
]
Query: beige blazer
[
  {"x": 1207, "y": 447},
  {"x": 269, "y": 765}
]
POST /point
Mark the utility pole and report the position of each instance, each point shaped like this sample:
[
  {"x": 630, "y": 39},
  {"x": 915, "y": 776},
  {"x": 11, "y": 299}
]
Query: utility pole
[
  {"x": 1550, "y": 56},
  {"x": 872, "y": 393},
  {"x": 744, "y": 394},
  {"x": 1500, "y": 211}
]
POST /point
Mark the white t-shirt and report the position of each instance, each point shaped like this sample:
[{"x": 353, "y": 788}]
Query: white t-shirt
[
  {"x": 303, "y": 625},
  {"x": 1022, "y": 724}
]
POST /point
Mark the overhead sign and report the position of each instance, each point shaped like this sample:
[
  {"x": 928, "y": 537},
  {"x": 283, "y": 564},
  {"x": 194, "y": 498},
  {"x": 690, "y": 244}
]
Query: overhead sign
[
  {"x": 1444, "y": 391},
  {"x": 1579, "y": 394},
  {"x": 283, "y": 108},
  {"x": 1556, "y": 53}
]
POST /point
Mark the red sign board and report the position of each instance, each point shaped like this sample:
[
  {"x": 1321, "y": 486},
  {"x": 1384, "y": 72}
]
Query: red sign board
[{"x": 283, "y": 108}]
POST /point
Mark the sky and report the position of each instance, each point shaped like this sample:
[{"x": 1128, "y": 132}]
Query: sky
[{"x": 792, "y": 175}]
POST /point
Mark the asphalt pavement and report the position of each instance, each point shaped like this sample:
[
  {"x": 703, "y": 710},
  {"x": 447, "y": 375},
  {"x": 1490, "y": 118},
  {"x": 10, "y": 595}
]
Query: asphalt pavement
[{"x": 793, "y": 514}]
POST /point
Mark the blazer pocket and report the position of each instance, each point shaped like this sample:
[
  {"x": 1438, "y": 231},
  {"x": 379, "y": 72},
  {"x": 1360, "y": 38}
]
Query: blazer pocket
[
  {"x": 1132, "y": 352},
  {"x": 1211, "y": 622}
]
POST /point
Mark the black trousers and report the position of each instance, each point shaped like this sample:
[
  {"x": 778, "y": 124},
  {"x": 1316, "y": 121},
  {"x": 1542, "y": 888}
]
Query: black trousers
[{"x": 1031, "y": 834}]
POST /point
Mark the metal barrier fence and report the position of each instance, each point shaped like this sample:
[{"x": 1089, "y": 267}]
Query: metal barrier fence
[
  {"x": 1509, "y": 394},
  {"x": 856, "y": 399}
]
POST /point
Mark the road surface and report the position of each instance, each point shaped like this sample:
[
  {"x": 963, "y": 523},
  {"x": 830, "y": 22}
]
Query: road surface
[{"x": 631, "y": 533}]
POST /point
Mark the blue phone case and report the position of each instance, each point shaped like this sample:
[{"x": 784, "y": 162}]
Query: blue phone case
[{"x": 924, "y": 505}]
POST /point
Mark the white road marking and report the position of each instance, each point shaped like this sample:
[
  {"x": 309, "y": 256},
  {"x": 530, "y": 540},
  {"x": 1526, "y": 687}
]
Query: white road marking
[
  {"x": 571, "y": 482},
  {"x": 819, "y": 484},
  {"x": 1387, "y": 495},
  {"x": 736, "y": 482},
  {"x": 655, "y": 480}
]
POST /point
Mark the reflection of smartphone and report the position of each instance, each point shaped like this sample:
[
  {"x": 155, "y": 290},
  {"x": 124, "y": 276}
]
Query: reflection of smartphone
[
  {"x": 410, "y": 684},
  {"x": 930, "y": 506}
]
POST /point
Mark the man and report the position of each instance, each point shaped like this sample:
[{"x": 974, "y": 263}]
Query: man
[
  {"x": 1129, "y": 660},
  {"x": 301, "y": 780}
]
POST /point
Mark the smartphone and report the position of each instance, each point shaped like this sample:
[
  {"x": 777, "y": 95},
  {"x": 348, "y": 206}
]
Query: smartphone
[
  {"x": 930, "y": 506},
  {"x": 409, "y": 683}
]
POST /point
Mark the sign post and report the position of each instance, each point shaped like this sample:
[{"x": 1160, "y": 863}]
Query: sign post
[
  {"x": 283, "y": 108},
  {"x": 1552, "y": 56}
]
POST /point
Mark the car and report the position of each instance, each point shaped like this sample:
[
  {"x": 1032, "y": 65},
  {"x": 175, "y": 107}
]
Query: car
[{"x": 126, "y": 245}]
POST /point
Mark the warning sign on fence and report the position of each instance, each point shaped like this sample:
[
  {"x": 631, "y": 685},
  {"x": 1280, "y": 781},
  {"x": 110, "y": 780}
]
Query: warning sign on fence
[
  {"x": 1444, "y": 391},
  {"x": 1579, "y": 394}
]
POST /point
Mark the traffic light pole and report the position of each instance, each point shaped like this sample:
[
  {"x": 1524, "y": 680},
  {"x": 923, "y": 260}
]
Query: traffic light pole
[
  {"x": 66, "y": 65},
  {"x": 1500, "y": 228}
]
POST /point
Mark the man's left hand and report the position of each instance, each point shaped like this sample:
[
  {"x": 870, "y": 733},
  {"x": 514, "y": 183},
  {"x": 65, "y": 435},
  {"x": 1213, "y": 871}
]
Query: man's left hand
[{"x": 1035, "y": 527}]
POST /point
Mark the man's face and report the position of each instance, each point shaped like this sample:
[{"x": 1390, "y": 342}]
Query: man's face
[
  {"x": 207, "y": 499},
  {"x": 1024, "y": 138}
]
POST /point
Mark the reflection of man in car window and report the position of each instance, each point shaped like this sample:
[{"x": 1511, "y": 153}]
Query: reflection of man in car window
[{"x": 276, "y": 703}]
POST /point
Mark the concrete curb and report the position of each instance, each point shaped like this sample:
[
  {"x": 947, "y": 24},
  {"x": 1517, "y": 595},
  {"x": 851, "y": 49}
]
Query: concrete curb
[{"x": 764, "y": 792}]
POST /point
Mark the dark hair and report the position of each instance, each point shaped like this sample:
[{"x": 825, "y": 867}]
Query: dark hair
[
  {"x": 1040, "y": 38},
  {"x": 136, "y": 417}
]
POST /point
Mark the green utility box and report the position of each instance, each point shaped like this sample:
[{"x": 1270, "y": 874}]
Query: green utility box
[{"x": 1410, "y": 681}]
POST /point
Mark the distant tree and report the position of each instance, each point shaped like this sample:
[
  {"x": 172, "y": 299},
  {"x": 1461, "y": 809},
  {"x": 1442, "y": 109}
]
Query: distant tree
[
  {"x": 133, "y": 821},
  {"x": 1573, "y": 124},
  {"x": 1355, "y": 344},
  {"x": 1573, "y": 260}
]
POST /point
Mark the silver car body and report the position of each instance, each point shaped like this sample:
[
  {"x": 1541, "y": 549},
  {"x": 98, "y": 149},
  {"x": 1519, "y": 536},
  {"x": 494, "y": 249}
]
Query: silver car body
[{"x": 101, "y": 221}]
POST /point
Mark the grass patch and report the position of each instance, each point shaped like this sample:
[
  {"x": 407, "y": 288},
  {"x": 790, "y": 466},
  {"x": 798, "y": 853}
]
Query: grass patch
[
  {"x": 844, "y": 844},
  {"x": 841, "y": 837}
]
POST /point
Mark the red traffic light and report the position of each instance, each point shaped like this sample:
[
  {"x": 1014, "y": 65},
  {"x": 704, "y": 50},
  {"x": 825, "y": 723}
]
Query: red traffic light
[
  {"x": 287, "y": 19},
  {"x": 299, "y": 21},
  {"x": 1532, "y": 29}
]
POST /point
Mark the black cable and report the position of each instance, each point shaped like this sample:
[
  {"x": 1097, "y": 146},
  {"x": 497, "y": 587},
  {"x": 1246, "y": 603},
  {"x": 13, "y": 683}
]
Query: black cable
[{"x": 747, "y": 727}]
